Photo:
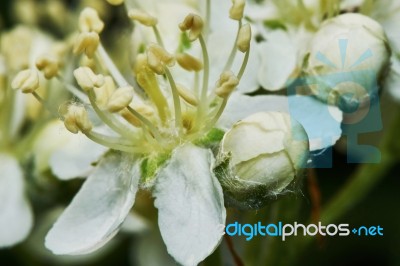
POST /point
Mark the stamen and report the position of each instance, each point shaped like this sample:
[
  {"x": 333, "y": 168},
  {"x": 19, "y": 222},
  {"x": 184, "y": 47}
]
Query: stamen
[
  {"x": 76, "y": 119},
  {"x": 187, "y": 95},
  {"x": 232, "y": 55},
  {"x": 112, "y": 143},
  {"x": 147, "y": 80},
  {"x": 226, "y": 84},
  {"x": 26, "y": 80},
  {"x": 194, "y": 24},
  {"x": 244, "y": 38},
  {"x": 87, "y": 79},
  {"x": 120, "y": 99},
  {"x": 206, "y": 73},
  {"x": 177, "y": 103},
  {"x": 158, "y": 57},
  {"x": 147, "y": 123},
  {"x": 49, "y": 66},
  {"x": 106, "y": 60},
  {"x": 142, "y": 17},
  {"x": 87, "y": 42},
  {"x": 244, "y": 64},
  {"x": 89, "y": 21},
  {"x": 236, "y": 11},
  {"x": 188, "y": 62},
  {"x": 109, "y": 120}
]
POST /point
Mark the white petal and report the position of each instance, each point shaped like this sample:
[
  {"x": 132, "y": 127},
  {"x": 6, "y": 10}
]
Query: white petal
[
  {"x": 74, "y": 155},
  {"x": 15, "y": 211},
  {"x": 240, "y": 106},
  {"x": 392, "y": 83},
  {"x": 189, "y": 199},
  {"x": 279, "y": 57},
  {"x": 99, "y": 208}
]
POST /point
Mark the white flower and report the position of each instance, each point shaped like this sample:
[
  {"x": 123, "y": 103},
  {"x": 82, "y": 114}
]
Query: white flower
[
  {"x": 259, "y": 157},
  {"x": 161, "y": 139}
]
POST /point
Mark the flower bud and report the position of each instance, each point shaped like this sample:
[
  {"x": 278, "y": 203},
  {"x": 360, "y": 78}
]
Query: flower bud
[
  {"x": 260, "y": 157},
  {"x": 350, "y": 48},
  {"x": 194, "y": 24},
  {"x": 27, "y": 81}
]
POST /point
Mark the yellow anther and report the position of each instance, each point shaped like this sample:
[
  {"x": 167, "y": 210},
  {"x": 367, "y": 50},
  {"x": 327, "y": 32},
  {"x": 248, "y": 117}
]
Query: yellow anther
[
  {"x": 26, "y": 80},
  {"x": 87, "y": 79},
  {"x": 77, "y": 120},
  {"x": 158, "y": 58},
  {"x": 244, "y": 38},
  {"x": 104, "y": 92},
  {"x": 236, "y": 11},
  {"x": 89, "y": 20},
  {"x": 187, "y": 95},
  {"x": 142, "y": 17},
  {"x": 194, "y": 24},
  {"x": 189, "y": 62},
  {"x": 48, "y": 64},
  {"x": 87, "y": 42},
  {"x": 226, "y": 84},
  {"x": 120, "y": 99}
]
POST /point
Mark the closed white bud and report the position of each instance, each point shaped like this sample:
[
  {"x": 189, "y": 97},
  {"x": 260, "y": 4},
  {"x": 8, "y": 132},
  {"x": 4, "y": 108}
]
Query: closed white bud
[
  {"x": 350, "y": 48},
  {"x": 77, "y": 119},
  {"x": 194, "y": 24},
  {"x": 259, "y": 157},
  {"x": 142, "y": 17},
  {"x": 236, "y": 11},
  {"x": 158, "y": 58},
  {"x": 87, "y": 42},
  {"x": 244, "y": 38},
  {"x": 226, "y": 84},
  {"x": 49, "y": 65},
  {"x": 120, "y": 99},
  {"x": 188, "y": 62},
  {"x": 26, "y": 80},
  {"x": 87, "y": 79},
  {"x": 89, "y": 20}
]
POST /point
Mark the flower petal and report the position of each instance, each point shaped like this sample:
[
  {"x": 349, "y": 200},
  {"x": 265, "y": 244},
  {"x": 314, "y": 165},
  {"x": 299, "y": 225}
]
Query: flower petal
[
  {"x": 74, "y": 155},
  {"x": 279, "y": 57},
  {"x": 15, "y": 211},
  {"x": 189, "y": 199},
  {"x": 99, "y": 208}
]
